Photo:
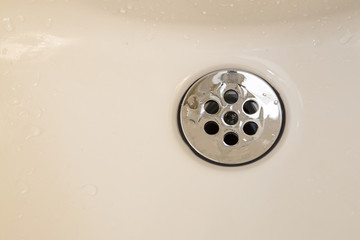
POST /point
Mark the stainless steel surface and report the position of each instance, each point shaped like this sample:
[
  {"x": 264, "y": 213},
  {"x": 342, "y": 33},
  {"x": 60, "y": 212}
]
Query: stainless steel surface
[{"x": 231, "y": 117}]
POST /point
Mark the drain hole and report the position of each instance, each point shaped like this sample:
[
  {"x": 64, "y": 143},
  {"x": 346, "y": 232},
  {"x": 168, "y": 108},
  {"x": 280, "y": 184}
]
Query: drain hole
[
  {"x": 211, "y": 127},
  {"x": 250, "y": 107},
  {"x": 211, "y": 107},
  {"x": 250, "y": 128},
  {"x": 231, "y": 96},
  {"x": 231, "y": 138},
  {"x": 230, "y": 118}
]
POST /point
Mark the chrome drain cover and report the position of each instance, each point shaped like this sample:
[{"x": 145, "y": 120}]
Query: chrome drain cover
[{"x": 231, "y": 117}]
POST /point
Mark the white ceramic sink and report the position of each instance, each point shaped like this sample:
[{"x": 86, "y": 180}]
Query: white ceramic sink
[{"x": 89, "y": 142}]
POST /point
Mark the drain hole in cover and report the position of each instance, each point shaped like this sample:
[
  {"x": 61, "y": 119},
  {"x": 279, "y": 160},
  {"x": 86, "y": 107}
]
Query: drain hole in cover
[
  {"x": 211, "y": 107},
  {"x": 231, "y": 96},
  {"x": 231, "y": 139},
  {"x": 250, "y": 107},
  {"x": 250, "y": 128},
  {"x": 211, "y": 127}
]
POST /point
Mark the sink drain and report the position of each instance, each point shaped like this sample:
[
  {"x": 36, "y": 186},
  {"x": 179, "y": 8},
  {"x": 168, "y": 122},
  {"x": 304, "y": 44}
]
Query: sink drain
[{"x": 231, "y": 117}]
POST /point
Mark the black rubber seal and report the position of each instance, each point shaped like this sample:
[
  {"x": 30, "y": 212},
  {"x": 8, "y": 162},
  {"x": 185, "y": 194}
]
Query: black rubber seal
[{"x": 238, "y": 164}]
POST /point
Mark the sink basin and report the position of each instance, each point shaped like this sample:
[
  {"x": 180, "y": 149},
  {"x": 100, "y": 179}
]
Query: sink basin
[{"x": 89, "y": 143}]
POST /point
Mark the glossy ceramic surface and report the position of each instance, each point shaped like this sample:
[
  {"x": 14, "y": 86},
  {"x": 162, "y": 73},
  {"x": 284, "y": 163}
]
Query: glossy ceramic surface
[{"x": 89, "y": 143}]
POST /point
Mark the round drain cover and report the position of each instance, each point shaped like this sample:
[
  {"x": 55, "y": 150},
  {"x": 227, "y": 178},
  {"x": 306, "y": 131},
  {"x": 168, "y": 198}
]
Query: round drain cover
[{"x": 231, "y": 117}]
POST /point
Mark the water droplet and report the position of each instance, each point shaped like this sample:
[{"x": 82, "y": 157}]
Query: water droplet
[
  {"x": 18, "y": 149},
  {"x": 38, "y": 113},
  {"x": 264, "y": 94},
  {"x": 30, "y": 171},
  {"x": 196, "y": 44},
  {"x": 316, "y": 42},
  {"x": 89, "y": 189},
  {"x": 319, "y": 191},
  {"x": 346, "y": 38},
  {"x": 14, "y": 101},
  {"x": 33, "y": 132},
  {"x": 129, "y": 6},
  {"x": 21, "y": 18},
  {"x": 276, "y": 102},
  {"x": 122, "y": 11},
  {"x": 150, "y": 37},
  {"x": 35, "y": 84},
  {"x": 19, "y": 216},
  {"x": 22, "y": 188},
  {"x": 49, "y": 22},
  {"x": 278, "y": 2},
  {"x": 7, "y": 24},
  {"x": 204, "y": 12}
]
